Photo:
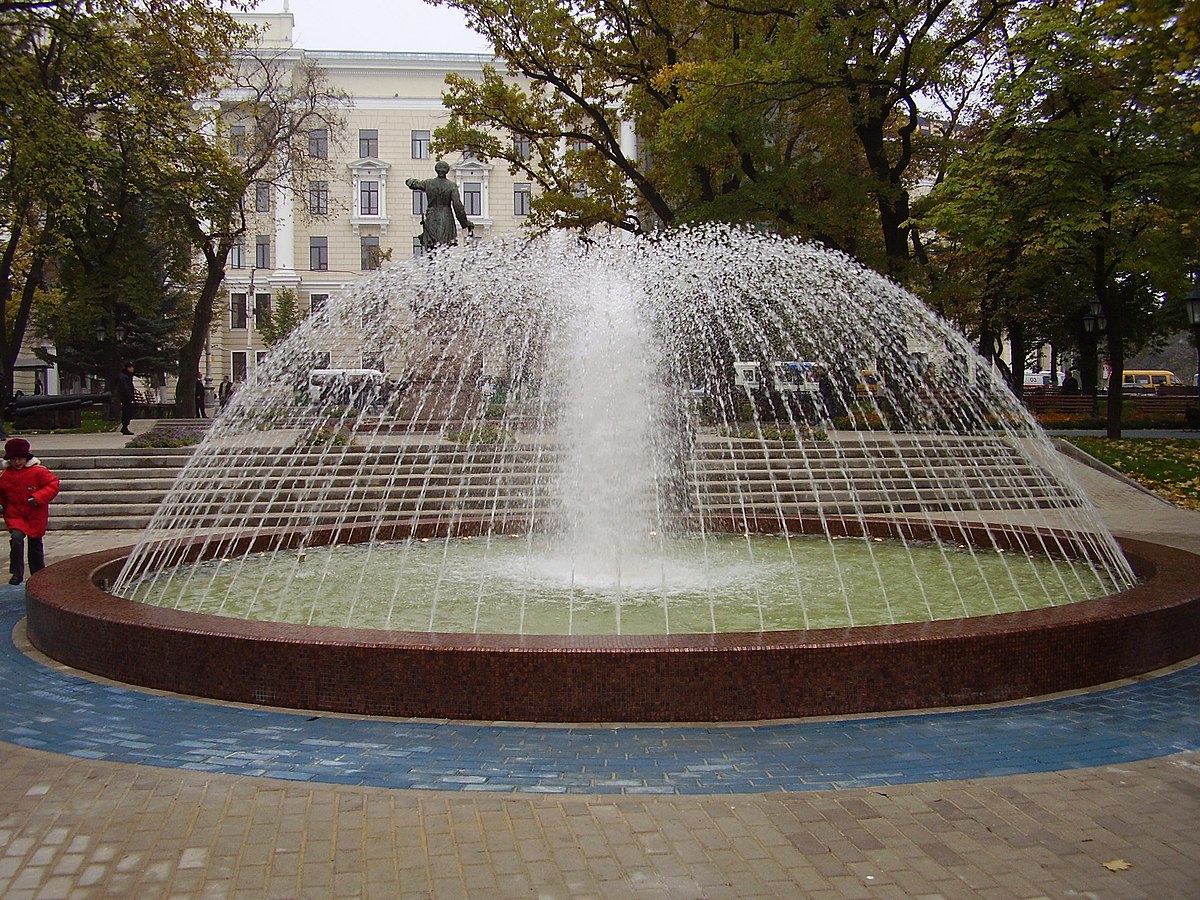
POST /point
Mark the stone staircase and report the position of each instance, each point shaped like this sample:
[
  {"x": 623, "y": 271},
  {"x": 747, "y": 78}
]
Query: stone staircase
[
  {"x": 873, "y": 477},
  {"x": 121, "y": 489},
  {"x": 113, "y": 488}
]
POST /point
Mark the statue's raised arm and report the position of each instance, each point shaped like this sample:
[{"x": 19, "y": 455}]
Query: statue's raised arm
[{"x": 443, "y": 207}]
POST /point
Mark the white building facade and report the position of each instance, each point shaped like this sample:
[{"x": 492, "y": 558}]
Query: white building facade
[{"x": 360, "y": 214}]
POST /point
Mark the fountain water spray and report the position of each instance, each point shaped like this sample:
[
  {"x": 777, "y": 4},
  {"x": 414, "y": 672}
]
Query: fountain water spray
[{"x": 624, "y": 436}]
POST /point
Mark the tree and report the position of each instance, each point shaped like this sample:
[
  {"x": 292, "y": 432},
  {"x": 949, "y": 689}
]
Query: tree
[
  {"x": 1090, "y": 168},
  {"x": 282, "y": 319},
  {"x": 91, "y": 95},
  {"x": 121, "y": 295},
  {"x": 277, "y": 103},
  {"x": 802, "y": 117}
]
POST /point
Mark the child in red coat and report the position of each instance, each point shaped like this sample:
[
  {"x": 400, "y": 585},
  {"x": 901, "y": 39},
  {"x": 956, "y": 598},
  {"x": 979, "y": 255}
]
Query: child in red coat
[{"x": 26, "y": 489}]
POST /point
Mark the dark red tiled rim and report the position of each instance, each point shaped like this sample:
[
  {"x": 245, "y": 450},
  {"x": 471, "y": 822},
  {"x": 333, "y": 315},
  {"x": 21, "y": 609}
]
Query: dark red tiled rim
[{"x": 692, "y": 678}]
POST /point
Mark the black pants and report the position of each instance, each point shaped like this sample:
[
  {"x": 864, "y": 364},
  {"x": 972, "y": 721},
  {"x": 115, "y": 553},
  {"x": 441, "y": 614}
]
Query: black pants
[
  {"x": 126, "y": 415},
  {"x": 16, "y": 554}
]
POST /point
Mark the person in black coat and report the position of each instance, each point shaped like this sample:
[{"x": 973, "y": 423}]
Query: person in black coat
[
  {"x": 125, "y": 394},
  {"x": 201, "y": 410}
]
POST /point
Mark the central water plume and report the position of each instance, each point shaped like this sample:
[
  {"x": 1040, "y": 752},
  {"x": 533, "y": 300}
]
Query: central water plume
[
  {"x": 588, "y": 417},
  {"x": 608, "y": 419}
]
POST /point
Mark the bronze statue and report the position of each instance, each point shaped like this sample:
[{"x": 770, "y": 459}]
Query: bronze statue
[{"x": 444, "y": 206}]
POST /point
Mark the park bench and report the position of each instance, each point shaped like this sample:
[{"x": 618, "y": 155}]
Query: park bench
[{"x": 1059, "y": 404}]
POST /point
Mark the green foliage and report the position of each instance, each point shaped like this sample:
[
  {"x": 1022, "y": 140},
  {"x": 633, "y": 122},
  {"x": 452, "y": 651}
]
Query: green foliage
[
  {"x": 1085, "y": 186},
  {"x": 776, "y": 433},
  {"x": 801, "y": 118},
  {"x": 327, "y": 436},
  {"x": 94, "y": 96},
  {"x": 482, "y": 434},
  {"x": 282, "y": 319}
]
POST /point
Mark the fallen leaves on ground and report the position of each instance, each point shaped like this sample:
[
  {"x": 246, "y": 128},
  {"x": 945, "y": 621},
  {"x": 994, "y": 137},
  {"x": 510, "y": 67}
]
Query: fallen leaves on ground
[{"x": 1169, "y": 467}]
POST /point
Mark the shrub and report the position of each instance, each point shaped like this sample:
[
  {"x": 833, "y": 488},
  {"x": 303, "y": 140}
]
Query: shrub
[
  {"x": 327, "y": 436},
  {"x": 165, "y": 435},
  {"x": 783, "y": 433},
  {"x": 483, "y": 434}
]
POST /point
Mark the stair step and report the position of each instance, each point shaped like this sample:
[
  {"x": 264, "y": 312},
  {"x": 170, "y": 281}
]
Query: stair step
[{"x": 300, "y": 486}]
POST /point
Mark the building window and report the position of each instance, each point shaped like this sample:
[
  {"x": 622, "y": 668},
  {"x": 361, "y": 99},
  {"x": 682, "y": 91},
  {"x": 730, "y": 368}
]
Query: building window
[
  {"x": 237, "y": 255},
  {"x": 368, "y": 198},
  {"x": 473, "y": 177},
  {"x": 373, "y": 361},
  {"x": 262, "y": 310},
  {"x": 420, "y": 145},
  {"x": 420, "y": 203},
  {"x": 472, "y": 198},
  {"x": 321, "y": 359},
  {"x": 237, "y": 140},
  {"x": 237, "y": 310},
  {"x": 262, "y": 251},
  {"x": 317, "y": 302},
  {"x": 260, "y": 357},
  {"x": 318, "y": 143},
  {"x": 521, "y": 197},
  {"x": 368, "y": 143},
  {"x": 418, "y": 247},
  {"x": 318, "y": 198},
  {"x": 318, "y": 254},
  {"x": 521, "y": 147},
  {"x": 262, "y": 197},
  {"x": 237, "y": 360},
  {"x": 370, "y": 252},
  {"x": 368, "y": 178},
  {"x": 579, "y": 145}
]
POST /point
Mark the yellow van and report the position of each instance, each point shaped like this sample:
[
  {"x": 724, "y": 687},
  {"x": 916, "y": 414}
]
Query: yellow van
[{"x": 1148, "y": 379}]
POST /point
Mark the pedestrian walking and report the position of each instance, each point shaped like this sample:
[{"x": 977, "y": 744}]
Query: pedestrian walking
[
  {"x": 127, "y": 395},
  {"x": 201, "y": 408},
  {"x": 224, "y": 391},
  {"x": 26, "y": 489}
]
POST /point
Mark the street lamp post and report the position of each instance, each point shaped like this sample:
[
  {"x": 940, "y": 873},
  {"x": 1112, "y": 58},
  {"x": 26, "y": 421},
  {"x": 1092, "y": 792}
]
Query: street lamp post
[
  {"x": 1094, "y": 323},
  {"x": 1191, "y": 303}
]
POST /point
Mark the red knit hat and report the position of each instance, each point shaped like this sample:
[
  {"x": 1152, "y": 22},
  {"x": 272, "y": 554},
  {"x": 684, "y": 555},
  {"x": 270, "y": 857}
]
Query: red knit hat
[{"x": 17, "y": 448}]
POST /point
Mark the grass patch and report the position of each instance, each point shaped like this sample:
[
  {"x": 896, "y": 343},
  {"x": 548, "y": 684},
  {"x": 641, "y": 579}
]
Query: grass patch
[
  {"x": 92, "y": 420},
  {"x": 1170, "y": 468}
]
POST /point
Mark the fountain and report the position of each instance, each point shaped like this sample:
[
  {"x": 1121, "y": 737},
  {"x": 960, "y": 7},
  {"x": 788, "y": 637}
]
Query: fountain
[{"x": 703, "y": 475}]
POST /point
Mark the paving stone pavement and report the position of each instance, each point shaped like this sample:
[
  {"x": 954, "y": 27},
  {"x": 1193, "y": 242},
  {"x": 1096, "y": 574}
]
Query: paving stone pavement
[{"x": 1105, "y": 806}]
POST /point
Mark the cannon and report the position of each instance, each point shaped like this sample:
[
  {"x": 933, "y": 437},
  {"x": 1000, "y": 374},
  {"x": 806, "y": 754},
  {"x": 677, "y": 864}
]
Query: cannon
[{"x": 50, "y": 410}]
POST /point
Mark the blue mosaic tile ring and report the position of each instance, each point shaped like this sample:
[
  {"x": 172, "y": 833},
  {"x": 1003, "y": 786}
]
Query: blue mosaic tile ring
[{"x": 50, "y": 710}]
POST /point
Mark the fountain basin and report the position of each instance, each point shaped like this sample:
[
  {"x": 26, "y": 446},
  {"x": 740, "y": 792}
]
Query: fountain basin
[{"x": 628, "y": 678}]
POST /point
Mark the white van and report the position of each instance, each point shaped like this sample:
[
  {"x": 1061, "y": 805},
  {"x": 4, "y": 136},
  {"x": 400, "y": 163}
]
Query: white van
[{"x": 322, "y": 377}]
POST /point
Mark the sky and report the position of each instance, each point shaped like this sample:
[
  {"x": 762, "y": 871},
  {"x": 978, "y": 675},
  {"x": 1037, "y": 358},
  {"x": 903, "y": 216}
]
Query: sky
[{"x": 407, "y": 25}]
